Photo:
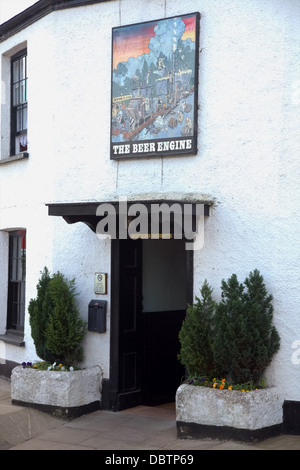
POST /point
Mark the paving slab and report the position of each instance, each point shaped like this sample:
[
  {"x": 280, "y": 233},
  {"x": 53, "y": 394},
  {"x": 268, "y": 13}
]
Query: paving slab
[
  {"x": 20, "y": 424},
  {"x": 141, "y": 429}
]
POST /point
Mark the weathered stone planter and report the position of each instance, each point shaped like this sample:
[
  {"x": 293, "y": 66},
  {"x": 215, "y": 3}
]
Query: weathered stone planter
[
  {"x": 65, "y": 394},
  {"x": 227, "y": 414}
]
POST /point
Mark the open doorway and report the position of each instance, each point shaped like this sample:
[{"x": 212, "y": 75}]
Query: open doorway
[
  {"x": 151, "y": 286},
  {"x": 164, "y": 309}
]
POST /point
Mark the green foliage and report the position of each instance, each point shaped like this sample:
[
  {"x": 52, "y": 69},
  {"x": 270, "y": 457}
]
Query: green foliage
[
  {"x": 245, "y": 339},
  {"x": 239, "y": 338},
  {"x": 59, "y": 336},
  {"x": 65, "y": 330},
  {"x": 230, "y": 336},
  {"x": 40, "y": 310},
  {"x": 265, "y": 337},
  {"x": 196, "y": 335}
]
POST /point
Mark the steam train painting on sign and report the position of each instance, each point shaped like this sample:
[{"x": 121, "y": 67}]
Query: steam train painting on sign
[{"x": 154, "y": 88}]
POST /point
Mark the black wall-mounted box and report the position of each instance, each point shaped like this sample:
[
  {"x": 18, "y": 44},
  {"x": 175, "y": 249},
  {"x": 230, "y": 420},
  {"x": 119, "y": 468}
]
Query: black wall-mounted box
[{"x": 97, "y": 316}]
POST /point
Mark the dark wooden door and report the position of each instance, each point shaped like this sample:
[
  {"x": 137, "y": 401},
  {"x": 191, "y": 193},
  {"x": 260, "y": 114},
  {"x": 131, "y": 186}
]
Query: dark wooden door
[{"x": 130, "y": 308}]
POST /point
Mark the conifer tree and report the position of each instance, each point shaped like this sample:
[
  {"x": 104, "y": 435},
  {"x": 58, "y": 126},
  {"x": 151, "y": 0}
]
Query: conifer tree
[
  {"x": 65, "y": 329},
  {"x": 245, "y": 339},
  {"x": 56, "y": 326},
  {"x": 40, "y": 310},
  {"x": 264, "y": 337},
  {"x": 230, "y": 329},
  {"x": 196, "y": 335}
]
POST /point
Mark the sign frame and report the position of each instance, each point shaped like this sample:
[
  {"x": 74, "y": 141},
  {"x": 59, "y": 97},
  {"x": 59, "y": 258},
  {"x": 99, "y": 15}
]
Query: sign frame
[
  {"x": 100, "y": 283},
  {"x": 154, "y": 94}
]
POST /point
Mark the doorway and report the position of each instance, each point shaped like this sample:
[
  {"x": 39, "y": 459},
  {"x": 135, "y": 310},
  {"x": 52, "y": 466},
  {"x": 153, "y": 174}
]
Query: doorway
[{"x": 151, "y": 287}]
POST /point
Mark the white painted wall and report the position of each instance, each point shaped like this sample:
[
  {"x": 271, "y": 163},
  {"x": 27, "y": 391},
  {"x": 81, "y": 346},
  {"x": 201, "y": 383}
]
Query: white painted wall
[{"x": 247, "y": 153}]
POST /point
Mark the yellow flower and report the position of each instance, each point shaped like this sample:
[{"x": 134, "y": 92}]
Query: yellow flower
[
  {"x": 230, "y": 387},
  {"x": 35, "y": 366},
  {"x": 214, "y": 385},
  {"x": 214, "y": 380},
  {"x": 60, "y": 365},
  {"x": 242, "y": 390}
]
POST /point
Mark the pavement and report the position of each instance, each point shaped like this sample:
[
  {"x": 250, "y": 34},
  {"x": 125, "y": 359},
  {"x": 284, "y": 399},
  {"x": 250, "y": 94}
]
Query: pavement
[{"x": 141, "y": 428}]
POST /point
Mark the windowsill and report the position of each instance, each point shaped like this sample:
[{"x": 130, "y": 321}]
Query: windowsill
[
  {"x": 15, "y": 158},
  {"x": 15, "y": 338}
]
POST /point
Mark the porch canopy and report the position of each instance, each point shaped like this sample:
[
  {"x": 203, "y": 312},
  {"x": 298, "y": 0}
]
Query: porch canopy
[{"x": 100, "y": 217}]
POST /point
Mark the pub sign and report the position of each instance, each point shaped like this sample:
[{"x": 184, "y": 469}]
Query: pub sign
[{"x": 155, "y": 88}]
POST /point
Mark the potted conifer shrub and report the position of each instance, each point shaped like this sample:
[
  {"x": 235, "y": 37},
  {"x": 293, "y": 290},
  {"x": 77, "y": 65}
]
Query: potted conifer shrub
[
  {"x": 226, "y": 348},
  {"x": 56, "y": 384}
]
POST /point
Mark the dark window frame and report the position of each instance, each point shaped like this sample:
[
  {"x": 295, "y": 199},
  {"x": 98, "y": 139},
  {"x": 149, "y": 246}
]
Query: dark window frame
[
  {"x": 19, "y": 102},
  {"x": 16, "y": 281}
]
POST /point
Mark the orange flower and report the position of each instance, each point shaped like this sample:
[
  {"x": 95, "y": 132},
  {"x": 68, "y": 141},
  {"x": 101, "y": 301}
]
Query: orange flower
[
  {"x": 230, "y": 387},
  {"x": 223, "y": 380},
  {"x": 221, "y": 386}
]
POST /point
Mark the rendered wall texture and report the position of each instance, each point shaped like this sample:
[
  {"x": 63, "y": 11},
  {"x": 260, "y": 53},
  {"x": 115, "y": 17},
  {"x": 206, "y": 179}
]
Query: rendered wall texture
[{"x": 247, "y": 159}]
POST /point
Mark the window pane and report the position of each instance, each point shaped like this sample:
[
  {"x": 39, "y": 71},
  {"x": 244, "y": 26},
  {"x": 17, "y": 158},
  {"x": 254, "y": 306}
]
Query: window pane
[
  {"x": 22, "y": 68},
  {"x": 25, "y": 118},
  {"x": 13, "y": 274},
  {"x": 23, "y": 91},
  {"x": 20, "y": 269},
  {"x": 16, "y": 94},
  {"x": 16, "y": 70},
  {"x": 19, "y": 120},
  {"x": 18, "y": 259},
  {"x": 22, "y": 305},
  {"x": 13, "y": 257},
  {"x": 20, "y": 92}
]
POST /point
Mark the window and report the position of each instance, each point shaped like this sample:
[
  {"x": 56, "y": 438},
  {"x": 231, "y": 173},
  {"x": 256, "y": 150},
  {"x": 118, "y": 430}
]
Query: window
[
  {"x": 16, "y": 280},
  {"x": 19, "y": 103}
]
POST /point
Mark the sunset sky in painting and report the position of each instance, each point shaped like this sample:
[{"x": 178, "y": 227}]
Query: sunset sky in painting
[{"x": 133, "y": 41}]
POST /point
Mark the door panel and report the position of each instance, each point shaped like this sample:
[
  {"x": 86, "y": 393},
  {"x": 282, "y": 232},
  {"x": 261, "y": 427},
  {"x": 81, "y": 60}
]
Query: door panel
[{"x": 130, "y": 307}]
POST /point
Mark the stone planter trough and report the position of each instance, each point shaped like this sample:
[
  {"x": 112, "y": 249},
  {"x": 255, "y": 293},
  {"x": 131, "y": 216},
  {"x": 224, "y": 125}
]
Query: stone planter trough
[
  {"x": 227, "y": 414},
  {"x": 63, "y": 394}
]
